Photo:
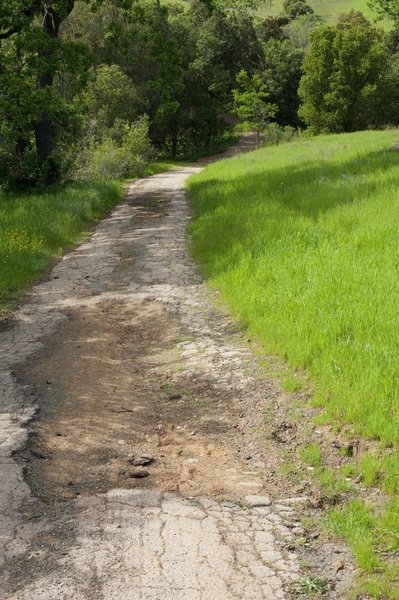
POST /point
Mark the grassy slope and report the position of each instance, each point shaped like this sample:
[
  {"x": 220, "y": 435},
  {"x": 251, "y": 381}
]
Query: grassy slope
[
  {"x": 36, "y": 228},
  {"x": 303, "y": 242},
  {"x": 330, "y": 10}
]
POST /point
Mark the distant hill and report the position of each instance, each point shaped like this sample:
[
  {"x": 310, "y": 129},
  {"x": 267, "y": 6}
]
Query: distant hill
[{"x": 328, "y": 9}]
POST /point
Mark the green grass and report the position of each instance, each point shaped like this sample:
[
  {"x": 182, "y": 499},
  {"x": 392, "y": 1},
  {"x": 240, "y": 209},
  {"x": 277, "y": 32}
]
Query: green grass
[
  {"x": 161, "y": 166},
  {"x": 330, "y": 10},
  {"x": 36, "y": 228},
  {"x": 356, "y": 524},
  {"x": 302, "y": 240},
  {"x": 310, "y": 455}
]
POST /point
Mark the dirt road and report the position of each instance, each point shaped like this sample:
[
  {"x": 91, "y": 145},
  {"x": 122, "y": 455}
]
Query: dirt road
[{"x": 145, "y": 473}]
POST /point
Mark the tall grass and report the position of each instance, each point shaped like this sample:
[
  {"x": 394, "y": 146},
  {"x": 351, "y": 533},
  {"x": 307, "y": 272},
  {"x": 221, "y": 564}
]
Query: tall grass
[
  {"x": 303, "y": 242},
  {"x": 36, "y": 228}
]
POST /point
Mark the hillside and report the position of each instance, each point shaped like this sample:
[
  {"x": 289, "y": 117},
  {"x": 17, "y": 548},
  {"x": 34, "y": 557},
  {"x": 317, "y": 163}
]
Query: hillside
[
  {"x": 328, "y": 9},
  {"x": 302, "y": 242}
]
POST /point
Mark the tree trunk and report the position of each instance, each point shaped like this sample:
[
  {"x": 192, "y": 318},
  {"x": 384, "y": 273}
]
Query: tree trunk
[
  {"x": 174, "y": 144},
  {"x": 44, "y": 128}
]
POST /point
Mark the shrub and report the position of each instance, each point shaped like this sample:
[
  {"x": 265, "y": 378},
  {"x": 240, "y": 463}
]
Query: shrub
[
  {"x": 274, "y": 134},
  {"x": 124, "y": 155}
]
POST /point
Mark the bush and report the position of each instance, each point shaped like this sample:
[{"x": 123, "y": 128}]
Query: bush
[
  {"x": 126, "y": 154},
  {"x": 274, "y": 134}
]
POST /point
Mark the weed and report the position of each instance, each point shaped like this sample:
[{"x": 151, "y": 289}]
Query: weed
[
  {"x": 310, "y": 455},
  {"x": 311, "y": 586},
  {"x": 356, "y": 524},
  {"x": 370, "y": 469},
  {"x": 349, "y": 470},
  {"x": 293, "y": 383}
]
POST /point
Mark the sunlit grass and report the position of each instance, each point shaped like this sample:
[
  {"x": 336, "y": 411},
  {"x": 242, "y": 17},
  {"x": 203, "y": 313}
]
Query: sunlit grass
[
  {"x": 330, "y": 10},
  {"x": 303, "y": 242},
  {"x": 36, "y": 228}
]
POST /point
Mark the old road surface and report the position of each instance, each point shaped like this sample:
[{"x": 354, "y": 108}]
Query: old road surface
[{"x": 130, "y": 464}]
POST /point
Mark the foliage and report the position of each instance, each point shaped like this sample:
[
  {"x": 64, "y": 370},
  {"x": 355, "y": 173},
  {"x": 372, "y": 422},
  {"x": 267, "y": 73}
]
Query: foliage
[
  {"x": 386, "y": 8},
  {"x": 345, "y": 85},
  {"x": 282, "y": 72},
  {"x": 299, "y": 30},
  {"x": 297, "y": 8},
  {"x": 35, "y": 64},
  {"x": 109, "y": 95},
  {"x": 329, "y": 10},
  {"x": 74, "y": 73},
  {"x": 310, "y": 586},
  {"x": 273, "y": 134},
  {"x": 250, "y": 101},
  {"x": 124, "y": 155}
]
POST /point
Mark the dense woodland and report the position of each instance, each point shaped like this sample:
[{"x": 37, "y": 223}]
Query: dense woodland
[{"x": 94, "y": 89}]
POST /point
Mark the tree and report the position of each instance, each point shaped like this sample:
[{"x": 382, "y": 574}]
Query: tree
[
  {"x": 110, "y": 95},
  {"x": 344, "y": 85},
  {"x": 386, "y": 8},
  {"x": 354, "y": 18},
  {"x": 282, "y": 72},
  {"x": 251, "y": 102},
  {"x": 299, "y": 30},
  {"x": 297, "y": 8},
  {"x": 273, "y": 28},
  {"x": 33, "y": 57}
]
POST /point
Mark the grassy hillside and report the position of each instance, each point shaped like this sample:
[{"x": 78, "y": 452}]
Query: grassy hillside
[
  {"x": 330, "y": 10},
  {"x": 303, "y": 242}
]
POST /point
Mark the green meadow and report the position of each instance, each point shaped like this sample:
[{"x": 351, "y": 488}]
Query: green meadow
[
  {"x": 302, "y": 240},
  {"x": 330, "y": 10},
  {"x": 36, "y": 228}
]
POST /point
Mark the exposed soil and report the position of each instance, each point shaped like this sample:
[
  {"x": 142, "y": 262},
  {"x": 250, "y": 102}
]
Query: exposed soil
[{"x": 157, "y": 442}]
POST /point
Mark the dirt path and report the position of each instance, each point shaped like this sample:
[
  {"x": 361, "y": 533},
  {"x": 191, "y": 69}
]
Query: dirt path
[{"x": 145, "y": 474}]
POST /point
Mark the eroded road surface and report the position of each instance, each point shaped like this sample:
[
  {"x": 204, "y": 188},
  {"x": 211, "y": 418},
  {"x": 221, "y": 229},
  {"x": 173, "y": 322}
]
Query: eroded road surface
[{"x": 133, "y": 464}]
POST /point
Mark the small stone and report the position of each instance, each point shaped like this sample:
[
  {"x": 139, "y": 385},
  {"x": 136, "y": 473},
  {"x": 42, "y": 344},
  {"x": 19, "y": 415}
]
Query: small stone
[
  {"x": 139, "y": 474},
  {"x": 39, "y": 454},
  {"x": 142, "y": 461},
  {"x": 338, "y": 565},
  {"x": 297, "y": 500},
  {"x": 257, "y": 501}
]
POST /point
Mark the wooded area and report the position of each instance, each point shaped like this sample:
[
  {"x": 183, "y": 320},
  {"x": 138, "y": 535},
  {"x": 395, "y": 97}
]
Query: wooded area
[{"x": 93, "y": 89}]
